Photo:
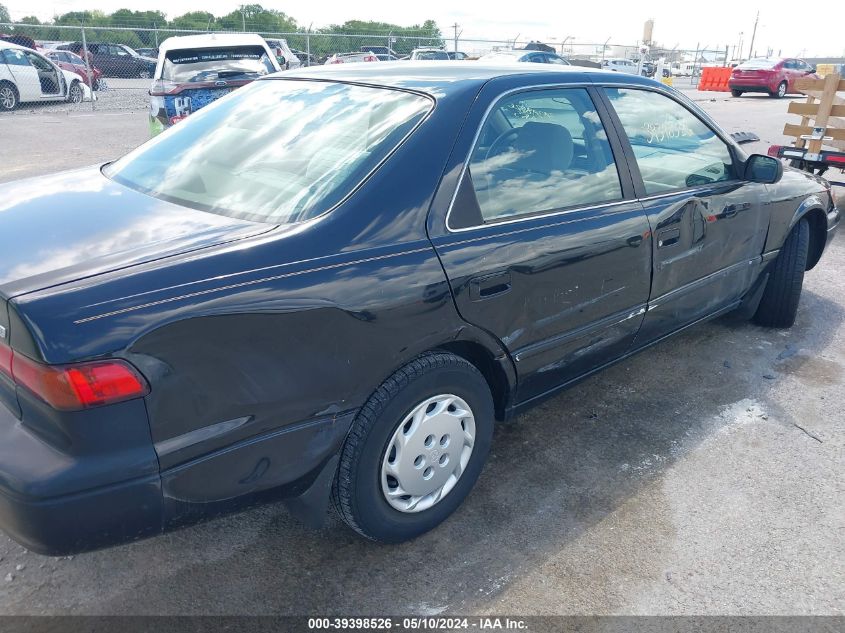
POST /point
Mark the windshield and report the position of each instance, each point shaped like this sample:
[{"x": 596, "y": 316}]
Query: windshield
[
  {"x": 277, "y": 151},
  {"x": 211, "y": 64},
  {"x": 758, "y": 64}
]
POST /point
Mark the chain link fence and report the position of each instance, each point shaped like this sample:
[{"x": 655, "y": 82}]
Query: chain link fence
[{"x": 111, "y": 68}]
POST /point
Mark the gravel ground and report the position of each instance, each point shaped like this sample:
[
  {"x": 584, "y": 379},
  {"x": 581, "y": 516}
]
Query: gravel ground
[{"x": 704, "y": 476}]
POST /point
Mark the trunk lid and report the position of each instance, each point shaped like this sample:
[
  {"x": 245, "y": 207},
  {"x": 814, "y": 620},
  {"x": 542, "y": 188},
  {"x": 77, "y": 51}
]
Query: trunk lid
[{"x": 77, "y": 224}]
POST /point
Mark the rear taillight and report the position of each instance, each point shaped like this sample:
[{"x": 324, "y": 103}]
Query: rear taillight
[
  {"x": 6, "y": 360},
  {"x": 370, "y": 58},
  {"x": 77, "y": 386},
  {"x": 336, "y": 60},
  {"x": 162, "y": 87}
]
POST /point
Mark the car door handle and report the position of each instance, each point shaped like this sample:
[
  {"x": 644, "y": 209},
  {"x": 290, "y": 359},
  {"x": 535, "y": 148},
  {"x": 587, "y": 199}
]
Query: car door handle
[
  {"x": 489, "y": 286},
  {"x": 731, "y": 210},
  {"x": 669, "y": 237}
]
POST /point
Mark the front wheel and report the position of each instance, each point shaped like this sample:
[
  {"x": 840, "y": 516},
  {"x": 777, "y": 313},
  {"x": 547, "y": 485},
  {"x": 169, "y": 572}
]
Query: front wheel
[
  {"x": 75, "y": 94},
  {"x": 780, "y": 91},
  {"x": 415, "y": 449},
  {"x": 779, "y": 305}
]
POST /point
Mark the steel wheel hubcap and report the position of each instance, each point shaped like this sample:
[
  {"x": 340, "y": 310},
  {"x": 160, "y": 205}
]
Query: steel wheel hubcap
[
  {"x": 428, "y": 453},
  {"x": 7, "y": 97},
  {"x": 781, "y": 90}
]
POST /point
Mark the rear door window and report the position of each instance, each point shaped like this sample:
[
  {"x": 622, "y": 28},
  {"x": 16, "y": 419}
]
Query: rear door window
[{"x": 540, "y": 151}]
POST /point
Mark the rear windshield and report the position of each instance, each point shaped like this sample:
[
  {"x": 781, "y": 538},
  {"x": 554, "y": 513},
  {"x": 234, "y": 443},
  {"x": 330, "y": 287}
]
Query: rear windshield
[
  {"x": 277, "y": 151},
  {"x": 758, "y": 64},
  {"x": 423, "y": 55},
  {"x": 212, "y": 64}
]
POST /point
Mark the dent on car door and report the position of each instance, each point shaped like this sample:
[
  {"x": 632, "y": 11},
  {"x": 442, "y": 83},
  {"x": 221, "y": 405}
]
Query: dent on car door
[
  {"x": 709, "y": 225},
  {"x": 544, "y": 245}
]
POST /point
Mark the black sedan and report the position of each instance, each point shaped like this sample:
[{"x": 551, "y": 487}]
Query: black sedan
[{"x": 337, "y": 305}]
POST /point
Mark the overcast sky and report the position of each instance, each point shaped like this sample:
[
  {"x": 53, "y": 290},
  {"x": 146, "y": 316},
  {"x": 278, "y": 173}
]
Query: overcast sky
[{"x": 714, "y": 23}]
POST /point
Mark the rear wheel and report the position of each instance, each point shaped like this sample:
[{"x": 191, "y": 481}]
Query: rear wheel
[
  {"x": 736, "y": 93},
  {"x": 415, "y": 449},
  {"x": 780, "y": 91},
  {"x": 8, "y": 96},
  {"x": 779, "y": 305}
]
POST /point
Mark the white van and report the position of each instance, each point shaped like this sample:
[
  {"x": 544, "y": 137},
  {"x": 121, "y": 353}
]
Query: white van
[{"x": 195, "y": 70}]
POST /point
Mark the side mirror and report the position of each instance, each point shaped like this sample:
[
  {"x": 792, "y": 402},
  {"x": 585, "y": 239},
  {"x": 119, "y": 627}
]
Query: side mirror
[
  {"x": 281, "y": 59},
  {"x": 765, "y": 169},
  {"x": 812, "y": 70}
]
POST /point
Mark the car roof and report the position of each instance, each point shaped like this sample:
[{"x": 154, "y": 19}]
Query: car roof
[
  {"x": 211, "y": 40},
  {"x": 6, "y": 44},
  {"x": 512, "y": 52},
  {"x": 436, "y": 78}
]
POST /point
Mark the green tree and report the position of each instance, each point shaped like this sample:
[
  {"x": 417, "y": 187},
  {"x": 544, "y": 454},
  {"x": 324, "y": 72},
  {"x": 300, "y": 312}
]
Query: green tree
[
  {"x": 406, "y": 38},
  {"x": 4, "y": 14},
  {"x": 195, "y": 21},
  {"x": 141, "y": 19},
  {"x": 254, "y": 17},
  {"x": 88, "y": 18}
]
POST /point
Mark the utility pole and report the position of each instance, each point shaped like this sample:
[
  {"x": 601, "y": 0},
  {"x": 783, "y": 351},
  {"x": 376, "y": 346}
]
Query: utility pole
[
  {"x": 753, "y": 35},
  {"x": 456, "y": 26}
]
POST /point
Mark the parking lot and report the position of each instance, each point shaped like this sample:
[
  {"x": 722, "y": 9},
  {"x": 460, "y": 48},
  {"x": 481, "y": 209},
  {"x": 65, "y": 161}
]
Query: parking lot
[{"x": 704, "y": 476}]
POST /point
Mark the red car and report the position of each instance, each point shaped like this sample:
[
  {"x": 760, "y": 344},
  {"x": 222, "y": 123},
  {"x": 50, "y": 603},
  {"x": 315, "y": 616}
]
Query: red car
[
  {"x": 775, "y": 76},
  {"x": 75, "y": 64}
]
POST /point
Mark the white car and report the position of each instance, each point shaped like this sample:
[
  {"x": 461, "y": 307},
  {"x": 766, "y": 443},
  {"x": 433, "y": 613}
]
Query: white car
[
  {"x": 620, "y": 66},
  {"x": 27, "y": 76},
  {"x": 351, "y": 58},
  {"x": 284, "y": 55}
]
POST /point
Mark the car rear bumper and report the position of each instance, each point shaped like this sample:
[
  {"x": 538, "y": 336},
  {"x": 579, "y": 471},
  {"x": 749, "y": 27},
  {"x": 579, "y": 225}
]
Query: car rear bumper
[
  {"x": 748, "y": 86},
  {"x": 54, "y": 502},
  {"x": 89, "y": 520}
]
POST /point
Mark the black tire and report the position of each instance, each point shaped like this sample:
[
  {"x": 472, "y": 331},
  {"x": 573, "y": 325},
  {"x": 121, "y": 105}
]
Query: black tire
[
  {"x": 75, "y": 94},
  {"x": 780, "y": 91},
  {"x": 736, "y": 93},
  {"x": 357, "y": 492},
  {"x": 9, "y": 97},
  {"x": 779, "y": 304}
]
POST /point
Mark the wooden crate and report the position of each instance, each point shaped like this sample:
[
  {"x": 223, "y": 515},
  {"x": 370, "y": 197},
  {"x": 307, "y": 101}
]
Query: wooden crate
[{"x": 823, "y": 108}]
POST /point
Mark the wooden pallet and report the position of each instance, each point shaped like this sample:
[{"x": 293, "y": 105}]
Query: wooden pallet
[{"x": 822, "y": 114}]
